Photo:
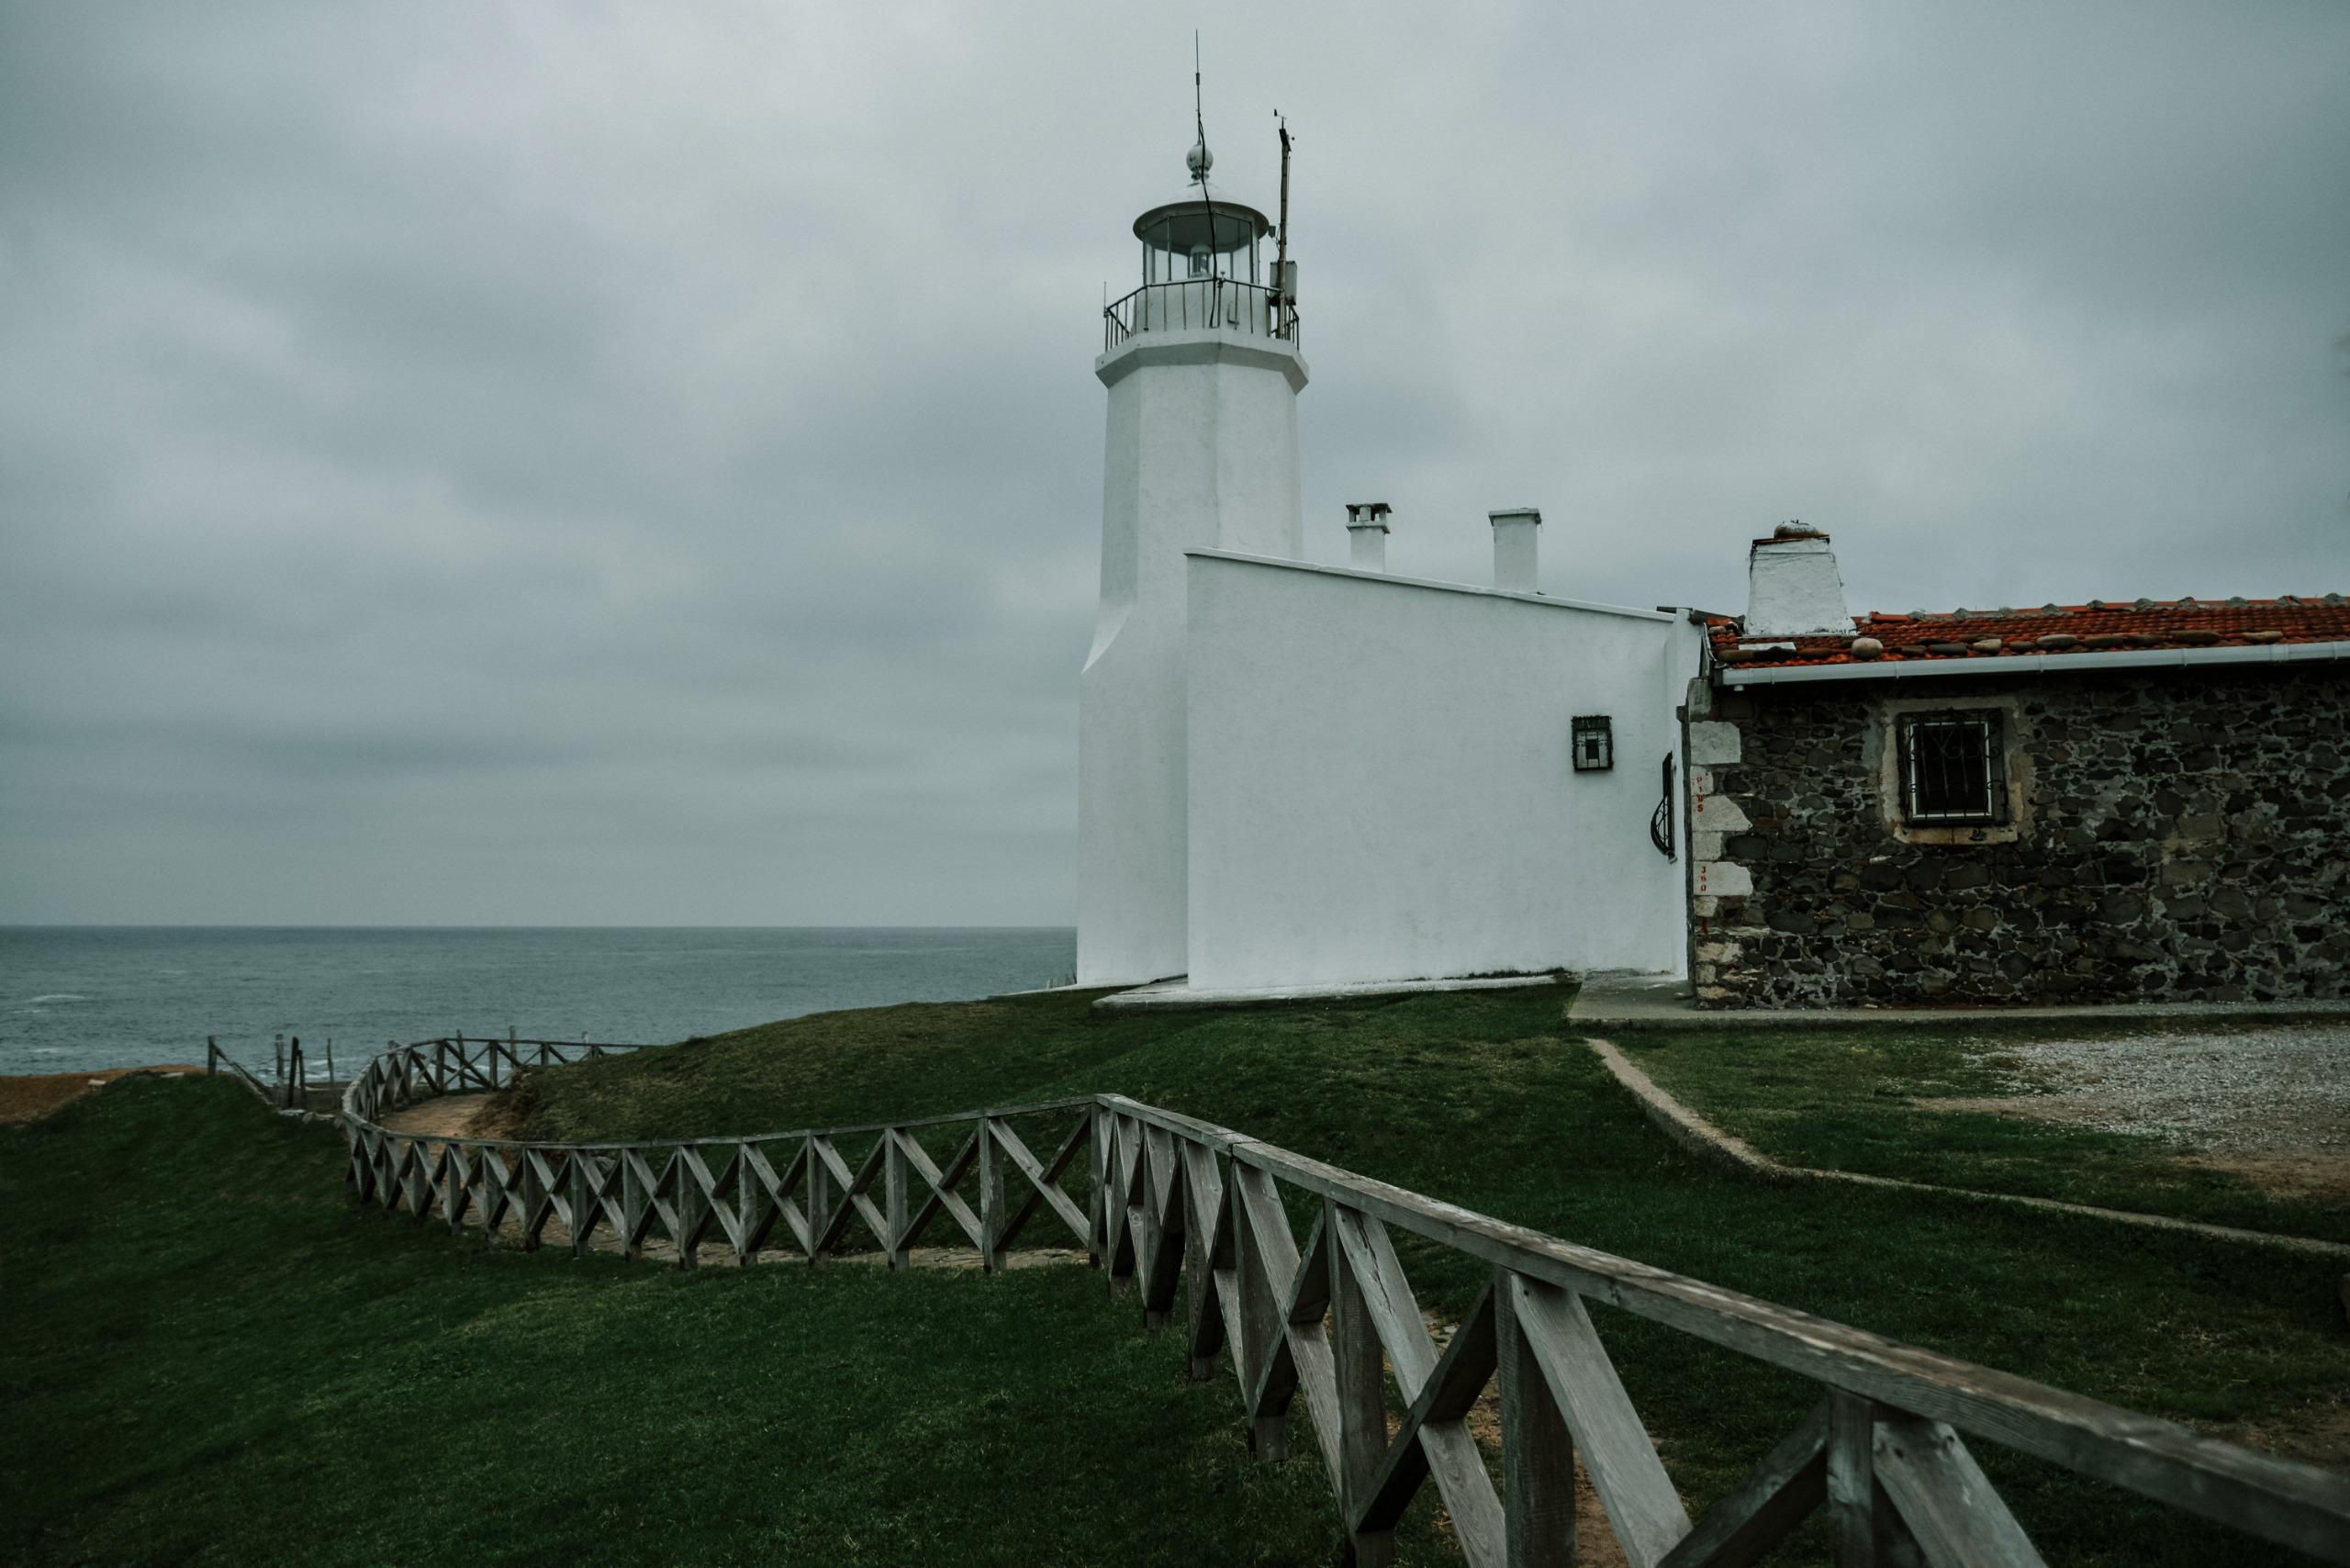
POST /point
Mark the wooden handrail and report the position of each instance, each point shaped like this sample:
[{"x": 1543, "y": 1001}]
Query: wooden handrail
[
  {"x": 214, "y": 1056},
  {"x": 2294, "y": 1504},
  {"x": 1180, "y": 1208}
]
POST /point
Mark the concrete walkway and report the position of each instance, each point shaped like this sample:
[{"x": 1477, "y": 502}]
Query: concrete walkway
[{"x": 1620, "y": 1001}]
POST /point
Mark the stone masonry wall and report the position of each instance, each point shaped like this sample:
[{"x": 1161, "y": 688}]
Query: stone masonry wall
[{"x": 2183, "y": 835}]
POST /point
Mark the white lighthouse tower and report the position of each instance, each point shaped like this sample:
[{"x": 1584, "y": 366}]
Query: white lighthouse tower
[{"x": 1203, "y": 367}]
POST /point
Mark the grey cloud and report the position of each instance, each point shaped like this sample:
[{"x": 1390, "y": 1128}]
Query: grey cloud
[{"x": 525, "y": 462}]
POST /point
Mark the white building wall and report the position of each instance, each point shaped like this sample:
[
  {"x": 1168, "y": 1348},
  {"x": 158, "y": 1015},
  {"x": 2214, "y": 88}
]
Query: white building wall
[
  {"x": 1200, "y": 453},
  {"x": 1379, "y": 786}
]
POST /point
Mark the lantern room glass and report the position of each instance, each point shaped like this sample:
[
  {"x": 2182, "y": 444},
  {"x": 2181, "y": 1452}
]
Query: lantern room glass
[{"x": 1200, "y": 242}]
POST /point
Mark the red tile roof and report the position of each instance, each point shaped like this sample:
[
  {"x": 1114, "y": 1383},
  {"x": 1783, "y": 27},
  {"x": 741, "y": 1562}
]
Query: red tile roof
[{"x": 2096, "y": 627}]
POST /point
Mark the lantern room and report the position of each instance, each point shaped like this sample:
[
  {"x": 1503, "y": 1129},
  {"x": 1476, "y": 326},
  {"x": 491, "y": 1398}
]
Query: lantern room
[
  {"x": 1207, "y": 266},
  {"x": 1202, "y": 237}
]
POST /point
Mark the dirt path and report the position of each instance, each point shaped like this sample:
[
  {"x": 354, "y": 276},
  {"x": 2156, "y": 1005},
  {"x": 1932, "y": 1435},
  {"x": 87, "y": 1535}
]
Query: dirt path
[
  {"x": 28, "y": 1099},
  {"x": 445, "y": 1115},
  {"x": 2269, "y": 1105}
]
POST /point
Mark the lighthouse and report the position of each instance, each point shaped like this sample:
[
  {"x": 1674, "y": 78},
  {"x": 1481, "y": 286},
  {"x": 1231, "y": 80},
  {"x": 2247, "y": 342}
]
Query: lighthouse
[{"x": 1201, "y": 365}]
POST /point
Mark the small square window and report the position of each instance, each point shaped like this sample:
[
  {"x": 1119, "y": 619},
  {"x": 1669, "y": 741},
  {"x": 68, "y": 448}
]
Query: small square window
[
  {"x": 1593, "y": 744},
  {"x": 1953, "y": 768}
]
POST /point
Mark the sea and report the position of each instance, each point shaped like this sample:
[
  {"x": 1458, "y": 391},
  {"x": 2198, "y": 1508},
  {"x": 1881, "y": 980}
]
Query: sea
[{"x": 82, "y": 997}]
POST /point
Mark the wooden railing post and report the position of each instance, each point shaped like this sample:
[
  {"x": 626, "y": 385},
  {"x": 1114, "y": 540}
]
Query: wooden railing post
[
  {"x": 893, "y": 1198},
  {"x": 456, "y": 1180},
  {"x": 1097, "y": 1213},
  {"x": 688, "y": 1197},
  {"x": 1122, "y": 1243},
  {"x": 1537, "y": 1452},
  {"x": 1161, "y": 1250},
  {"x": 419, "y": 1180},
  {"x": 991, "y": 1197},
  {"x": 582, "y": 1184},
  {"x": 819, "y": 1199},
  {"x": 1864, "y": 1530},
  {"x": 1362, "y": 1400},
  {"x": 1207, "y": 1255},
  {"x": 634, "y": 1199},
  {"x": 533, "y": 1195},
  {"x": 1257, "y": 1333}
]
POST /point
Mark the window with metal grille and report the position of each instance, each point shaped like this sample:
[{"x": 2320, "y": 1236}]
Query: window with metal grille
[
  {"x": 1593, "y": 740},
  {"x": 1951, "y": 768}
]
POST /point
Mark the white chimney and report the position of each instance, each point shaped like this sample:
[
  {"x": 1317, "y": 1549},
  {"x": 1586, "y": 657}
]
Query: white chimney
[
  {"x": 1792, "y": 588},
  {"x": 1514, "y": 548},
  {"x": 1367, "y": 535}
]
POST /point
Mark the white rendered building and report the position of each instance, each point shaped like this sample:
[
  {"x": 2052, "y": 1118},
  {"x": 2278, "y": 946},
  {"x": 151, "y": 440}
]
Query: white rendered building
[{"x": 1295, "y": 774}]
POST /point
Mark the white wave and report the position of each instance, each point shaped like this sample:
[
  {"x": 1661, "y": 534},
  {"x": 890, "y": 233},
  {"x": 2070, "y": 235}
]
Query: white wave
[{"x": 59, "y": 996}]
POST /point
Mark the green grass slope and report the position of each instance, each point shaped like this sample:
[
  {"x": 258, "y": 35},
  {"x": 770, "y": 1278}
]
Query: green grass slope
[
  {"x": 1484, "y": 1099},
  {"x": 209, "y": 1355}
]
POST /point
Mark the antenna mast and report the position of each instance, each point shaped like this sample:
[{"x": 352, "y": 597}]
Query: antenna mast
[
  {"x": 1200, "y": 158},
  {"x": 1199, "y": 115},
  {"x": 1281, "y": 301}
]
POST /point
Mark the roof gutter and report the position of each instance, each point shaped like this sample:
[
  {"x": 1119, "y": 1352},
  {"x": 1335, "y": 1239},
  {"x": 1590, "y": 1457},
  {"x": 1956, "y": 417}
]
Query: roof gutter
[{"x": 2037, "y": 663}]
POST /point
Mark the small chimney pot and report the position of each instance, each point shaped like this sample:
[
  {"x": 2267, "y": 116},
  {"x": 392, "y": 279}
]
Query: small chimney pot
[
  {"x": 1792, "y": 588},
  {"x": 1514, "y": 551},
  {"x": 1367, "y": 535}
]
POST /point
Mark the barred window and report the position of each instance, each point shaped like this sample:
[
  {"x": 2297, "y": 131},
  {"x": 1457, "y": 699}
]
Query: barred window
[{"x": 1951, "y": 768}]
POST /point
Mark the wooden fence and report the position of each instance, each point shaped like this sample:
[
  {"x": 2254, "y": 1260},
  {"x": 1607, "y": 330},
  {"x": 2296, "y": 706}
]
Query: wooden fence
[
  {"x": 1198, "y": 1217},
  {"x": 748, "y": 1195}
]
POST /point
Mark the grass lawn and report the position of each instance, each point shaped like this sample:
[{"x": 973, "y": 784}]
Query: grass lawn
[
  {"x": 1865, "y": 1100},
  {"x": 1484, "y": 1099},
  {"x": 211, "y": 1356},
  {"x": 208, "y": 1347}
]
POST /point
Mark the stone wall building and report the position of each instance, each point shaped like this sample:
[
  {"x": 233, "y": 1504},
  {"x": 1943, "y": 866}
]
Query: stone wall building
[{"x": 2098, "y": 803}]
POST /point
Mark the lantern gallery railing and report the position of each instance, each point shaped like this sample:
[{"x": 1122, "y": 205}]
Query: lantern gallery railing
[
  {"x": 1199, "y": 303},
  {"x": 1198, "y": 1219}
]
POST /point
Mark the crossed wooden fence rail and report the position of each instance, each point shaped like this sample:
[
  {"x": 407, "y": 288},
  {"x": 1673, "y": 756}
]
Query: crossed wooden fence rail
[
  {"x": 742, "y": 1189},
  {"x": 1196, "y": 1216}
]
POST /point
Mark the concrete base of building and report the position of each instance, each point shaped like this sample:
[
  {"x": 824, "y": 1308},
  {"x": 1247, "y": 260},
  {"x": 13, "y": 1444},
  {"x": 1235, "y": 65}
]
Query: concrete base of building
[{"x": 1179, "y": 994}]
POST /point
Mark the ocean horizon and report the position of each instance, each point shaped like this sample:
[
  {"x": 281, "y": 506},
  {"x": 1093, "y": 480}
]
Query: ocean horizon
[{"x": 76, "y": 997}]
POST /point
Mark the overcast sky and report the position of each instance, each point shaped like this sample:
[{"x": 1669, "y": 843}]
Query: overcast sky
[{"x": 468, "y": 463}]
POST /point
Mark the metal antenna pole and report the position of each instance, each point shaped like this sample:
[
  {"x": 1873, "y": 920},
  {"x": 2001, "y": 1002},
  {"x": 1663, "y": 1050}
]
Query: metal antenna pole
[
  {"x": 1199, "y": 116},
  {"x": 1199, "y": 120},
  {"x": 1281, "y": 301}
]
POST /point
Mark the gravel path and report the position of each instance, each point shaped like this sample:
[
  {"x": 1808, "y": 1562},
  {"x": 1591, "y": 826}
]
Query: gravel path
[
  {"x": 2271, "y": 1103},
  {"x": 2241, "y": 1091}
]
